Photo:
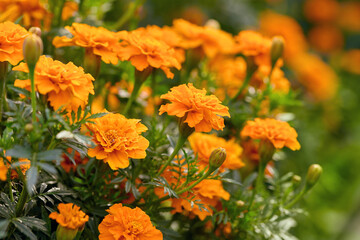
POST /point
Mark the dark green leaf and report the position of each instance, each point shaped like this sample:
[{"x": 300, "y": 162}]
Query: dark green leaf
[
  {"x": 3, "y": 227},
  {"x": 50, "y": 155},
  {"x": 24, "y": 229},
  {"x": 31, "y": 178},
  {"x": 19, "y": 152},
  {"x": 97, "y": 115}
]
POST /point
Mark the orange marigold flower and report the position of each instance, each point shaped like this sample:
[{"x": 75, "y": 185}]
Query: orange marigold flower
[
  {"x": 101, "y": 41},
  {"x": 31, "y": 11},
  {"x": 252, "y": 43},
  {"x": 64, "y": 84},
  {"x": 200, "y": 111},
  {"x": 319, "y": 79},
  {"x": 349, "y": 16},
  {"x": 70, "y": 216},
  {"x": 279, "y": 133},
  {"x": 326, "y": 38},
  {"x": 117, "y": 139},
  {"x": 211, "y": 40},
  {"x": 12, "y": 38},
  {"x": 273, "y": 24},
  {"x": 203, "y": 144},
  {"x": 126, "y": 223},
  {"x": 143, "y": 51},
  {"x": 67, "y": 164},
  {"x": 3, "y": 170},
  {"x": 320, "y": 11},
  {"x": 350, "y": 61},
  {"x": 69, "y": 9},
  {"x": 24, "y": 166}
]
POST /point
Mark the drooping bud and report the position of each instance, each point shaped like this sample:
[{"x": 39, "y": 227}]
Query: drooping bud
[
  {"x": 313, "y": 175},
  {"x": 217, "y": 158},
  {"x": 277, "y": 49},
  {"x": 33, "y": 47}
]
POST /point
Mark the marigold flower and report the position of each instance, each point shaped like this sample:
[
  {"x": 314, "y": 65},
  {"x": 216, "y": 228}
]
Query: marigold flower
[
  {"x": 70, "y": 216},
  {"x": 126, "y": 223},
  {"x": 320, "y": 11},
  {"x": 211, "y": 40},
  {"x": 350, "y": 61},
  {"x": 31, "y": 11},
  {"x": 101, "y": 41},
  {"x": 64, "y": 84},
  {"x": 252, "y": 43},
  {"x": 6, "y": 165},
  {"x": 143, "y": 51},
  {"x": 349, "y": 16},
  {"x": 12, "y": 37},
  {"x": 69, "y": 9},
  {"x": 3, "y": 170},
  {"x": 68, "y": 165},
  {"x": 117, "y": 139},
  {"x": 279, "y": 133},
  {"x": 200, "y": 111},
  {"x": 326, "y": 38},
  {"x": 203, "y": 144}
]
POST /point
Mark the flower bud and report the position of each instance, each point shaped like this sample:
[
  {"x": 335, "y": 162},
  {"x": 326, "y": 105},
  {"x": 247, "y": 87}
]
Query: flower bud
[
  {"x": 313, "y": 175},
  {"x": 212, "y": 23},
  {"x": 277, "y": 49},
  {"x": 32, "y": 49},
  {"x": 217, "y": 158},
  {"x": 29, "y": 127},
  {"x": 296, "y": 179},
  {"x": 240, "y": 203},
  {"x": 35, "y": 30},
  {"x": 65, "y": 233}
]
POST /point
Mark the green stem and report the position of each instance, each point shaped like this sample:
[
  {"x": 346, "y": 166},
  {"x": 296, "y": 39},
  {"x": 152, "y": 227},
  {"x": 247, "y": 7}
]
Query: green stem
[
  {"x": 3, "y": 73},
  {"x": 33, "y": 93},
  {"x": 177, "y": 148},
  {"x": 259, "y": 183},
  {"x": 10, "y": 189},
  {"x": 22, "y": 201},
  {"x": 241, "y": 89},
  {"x": 296, "y": 199},
  {"x": 61, "y": 7},
  {"x": 128, "y": 14},
  {"x": 134, "y": 93}
]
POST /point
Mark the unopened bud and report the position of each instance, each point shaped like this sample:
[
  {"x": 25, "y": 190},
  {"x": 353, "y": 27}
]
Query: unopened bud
[
  {"x": 32, "y": 49},
  {"x": 35, "y": 30},
  {"x": 212, "y": 23},
  {"x": 277, "y": 49},
  {"x": 217, "y": 158},
  {"x": 29, "y": 127},
  {"x": 313, "y": 175},
  {"x": 296, "y": 179},
  {"x": 65, "y": 233},
  {"x": 240, "y": 203}
]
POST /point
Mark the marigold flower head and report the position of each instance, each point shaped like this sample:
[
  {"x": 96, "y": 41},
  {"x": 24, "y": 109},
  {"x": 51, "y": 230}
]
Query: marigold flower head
[
  {"x": 6, "y": 165},
  {"x": 252, "y": 43},
  {"x": 203, "y": 144},
  {"x": 101, "y": 41},
  {"x": 326, "y": 38},
  {"x": 69, "y": 216},
  {"x": 143, "y": 51},
  {"x": 200, "y": 111},
  {"x": 3, "y": 170},
  {"x": 117, "y": 139},
  {"x": 64, "y": 84},
  {"x": 69, "y": 9},
  {"x": 320, "y": 11},
  {"x": 12, "y": 37},
  {"x": 126, "y": 223},
  {"x": 211, "y": 40},
  {"x": 279, "y": 133},
  {"x": 349, "y": 16},
  {"x": 31, "y": 11},
  {"x": 68, "y": 165},
  {"x": 350, "y": 61}
]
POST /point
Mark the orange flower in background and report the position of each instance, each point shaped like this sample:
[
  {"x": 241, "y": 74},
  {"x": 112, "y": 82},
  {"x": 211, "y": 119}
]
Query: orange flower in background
[
  {"x": 99, "y": 40},
  {"x": 350, "y": 61},
  {"x": 279, "y": 133},
  {"x": 203, "y": 144},
  {"x": 320, "y": 11},
  {"x": 211, "y": 40},
  {"x": 5, "y": 165},
  {"x": 326, "y": 38},
  {"x": 31, "y": 11},
  {"x": 207, "y": 192},
  {"x": 200, "y": 111},
  {"x": 349, "y": 16},
  {"x": 68, "y": 165},
  {"x": 70, "y": 8},
  {"x": 117, "y": 139},
  {"x": 273, "y": 24},
  {"x": 3, "y": 170},
  {"x": 319, "y": 79},
  {"x": 126, "y": 223},
  {"x": 64, "y": 84},
  {"x": 69, "y": 216},
  {"x": 12, "y": 37},
  {"x": 144, "y": 50}
]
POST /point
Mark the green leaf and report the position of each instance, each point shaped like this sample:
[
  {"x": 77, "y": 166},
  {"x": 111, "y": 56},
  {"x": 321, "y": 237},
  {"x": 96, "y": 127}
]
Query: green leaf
[
  {"x": 33, "y": 222},
  {"x": 19, "y": 152},
  {"x": 97, "y": 115},
  {"x": 31, "y": 178},
  {"x": 3, "y": 227},
  {"x": 48, "y": 168},
  {"x": 50, "y": 155},
  {"x": 24, "y": 229}
]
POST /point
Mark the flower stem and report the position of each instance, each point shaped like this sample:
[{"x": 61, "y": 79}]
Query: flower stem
[
  {"x": 241, "y": 89},
  {"x": 177, "y": 148},
  {"x": 22, "y": 200},
  {"x": 3, "y": 73},
  {"x": 134, "y": 93},
  {"x": 128, "y": 14},
  {"x": 33, "y": 93},
  {"x": 296, "y": 199}
]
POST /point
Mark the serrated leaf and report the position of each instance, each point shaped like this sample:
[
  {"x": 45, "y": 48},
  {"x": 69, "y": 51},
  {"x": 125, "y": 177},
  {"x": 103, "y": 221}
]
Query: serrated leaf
[
  {"x": 97, "y": 115},
  {"x": 19, "y": 152},
  {"x": 31, "y": 178},
  {"x": 33, "y": 222},
  {"x": 24, "y": 229}
]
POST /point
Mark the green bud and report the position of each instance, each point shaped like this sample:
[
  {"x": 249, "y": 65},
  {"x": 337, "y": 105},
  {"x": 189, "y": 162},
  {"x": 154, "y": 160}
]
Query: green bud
[
  {"x": 217, "y": 158},
  {"x": 35, "y": 30},
  {"x": 296, "y": 179},
  {"x": 29, "y": 127},
  {"x": 32, "y": 49},
  {"x": 64, "y": 233},
  {"x": 240, "y": 203},
  {"x": 313, "y": 175},
  {"x": 277, "y": 49}
]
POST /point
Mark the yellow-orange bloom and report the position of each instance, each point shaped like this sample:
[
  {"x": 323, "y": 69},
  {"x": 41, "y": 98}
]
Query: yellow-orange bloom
[
  {"x": 3, "y": 170},
  {"x": 350, "y": 61},
  {"x": 117, "y": 139},
  {"x": 349, "y": 16},
  {"x": 279, "y": 133},
  {"x": 68, "y": 164},
  {"x": 126, "y": 223},
  {"x": 319, "y": 79},
  {"x": 31, "y": 11},
  {"x": 326, "y": 38},
  {"x": 211, "y": 40},
  {"x": 64, "y": 84},
  {"x": 69, "y": 9},
  {"x": 143, "y": 51},
  {"x": 99, "y": 40},
  {"x": 5, "y": 165},
  {"x": 203, "y": 144},
  {"x": 320, "y": 11},
  {"x": 70, "y": 216},
  {"x": 201, "y": 112},
  {"x": 11, "y": 38}
]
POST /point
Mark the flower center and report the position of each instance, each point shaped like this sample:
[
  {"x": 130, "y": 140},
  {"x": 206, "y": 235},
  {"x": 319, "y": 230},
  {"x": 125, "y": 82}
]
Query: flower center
[
  {"x": 135, "y": 228},
  {"x": 111, "y": 136}
]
